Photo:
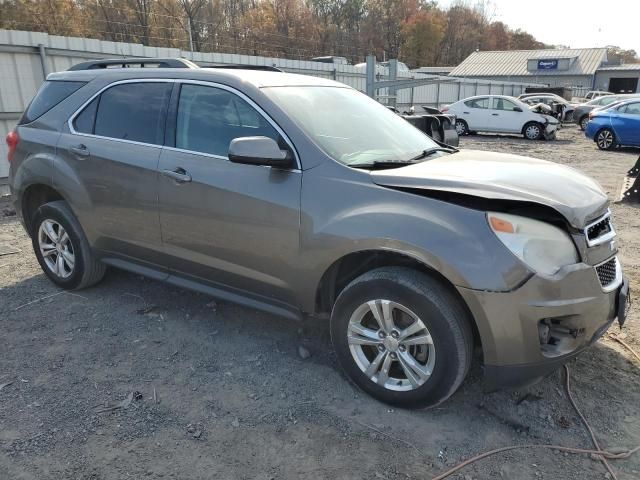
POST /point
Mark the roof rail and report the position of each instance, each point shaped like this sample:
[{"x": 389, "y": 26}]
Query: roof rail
[
  {"x": 266, "y": 68},
  {"x": 134, "y": 62},
  {"x": 160, "y": 63}
]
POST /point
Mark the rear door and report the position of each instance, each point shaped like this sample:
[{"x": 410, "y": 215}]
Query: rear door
[
  {"x": 112, "y": 148},
  {"x": 476, "y": 113},
  {"x": 626, "y": 123},
  {"x": 232, "y": 226},
  {"x": 506, "y": 116}
]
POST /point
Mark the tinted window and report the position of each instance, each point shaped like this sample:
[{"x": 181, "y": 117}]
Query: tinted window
[
  {"x": 133, "y": 111},
  {"x": 209, "y": 118},
  {"x": 50, "y": 94},
  {"x": 504, "y": 104},
  {"x": 478, "y": 103},
  {"x": 631, "y": 109},
  {"x": 85, "y": 122}
]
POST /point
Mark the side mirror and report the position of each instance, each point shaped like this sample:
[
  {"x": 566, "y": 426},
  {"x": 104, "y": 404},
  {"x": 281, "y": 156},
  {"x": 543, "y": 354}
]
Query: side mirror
[
  {"x": 258, "y": 151},
  {"x": 517, "y": 109}
]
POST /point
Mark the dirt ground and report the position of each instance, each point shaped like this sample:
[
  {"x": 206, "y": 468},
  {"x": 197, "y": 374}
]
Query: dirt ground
[{"x": 212, "y": 390}]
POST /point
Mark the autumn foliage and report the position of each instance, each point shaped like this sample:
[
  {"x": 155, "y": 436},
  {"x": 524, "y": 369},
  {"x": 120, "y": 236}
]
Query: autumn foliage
[{"x": 417, "y": 32}]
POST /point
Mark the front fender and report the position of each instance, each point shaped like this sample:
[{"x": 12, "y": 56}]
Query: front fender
[{"x": 340, "y": 217}]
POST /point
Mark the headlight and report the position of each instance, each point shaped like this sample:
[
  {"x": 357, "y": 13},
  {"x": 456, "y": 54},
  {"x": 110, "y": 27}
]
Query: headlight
[{"x": 540, "y": 245}]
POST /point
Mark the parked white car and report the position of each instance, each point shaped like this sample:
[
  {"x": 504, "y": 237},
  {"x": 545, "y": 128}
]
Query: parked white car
[{"x": 501, "y": 114}]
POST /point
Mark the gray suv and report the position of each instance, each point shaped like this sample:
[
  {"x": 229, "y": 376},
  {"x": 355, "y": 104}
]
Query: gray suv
[{"x": 301, "y": 196}]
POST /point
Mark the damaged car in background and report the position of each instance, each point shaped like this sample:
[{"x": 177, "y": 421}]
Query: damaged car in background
[
  {"x": 501, "y": 114},
  {"x": 550, "y": 104},
  {"x": 301, "y": 196}
]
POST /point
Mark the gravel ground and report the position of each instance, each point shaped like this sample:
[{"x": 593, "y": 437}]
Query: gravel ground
[{"x": 137, "y": 379}]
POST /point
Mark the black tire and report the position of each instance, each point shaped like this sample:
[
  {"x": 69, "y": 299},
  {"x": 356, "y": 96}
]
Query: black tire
[
  {"x": 86, "y": 270},
  {"x": 583, "y": 122},
  {"x": 461, "y": 127},
  {"x": 533, "y": 131},
  {"x": 606, "y": 139},
  {"x": 443, "y": 314}
]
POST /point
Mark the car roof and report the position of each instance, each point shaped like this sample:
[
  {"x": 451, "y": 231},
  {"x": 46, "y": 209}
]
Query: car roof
[
  {"x": 257, "y": 78},
  {"x": 507, "y": 97}
]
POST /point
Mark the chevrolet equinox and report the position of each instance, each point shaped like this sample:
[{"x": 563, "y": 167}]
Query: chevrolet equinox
[{"x": 301, "y": 196}]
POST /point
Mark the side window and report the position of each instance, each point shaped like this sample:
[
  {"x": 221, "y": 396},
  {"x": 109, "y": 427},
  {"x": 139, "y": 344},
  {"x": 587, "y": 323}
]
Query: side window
[
  {"x": 209, "y": 118},
  {"x": 632, "y": 109},
  {"x": 49, "y": 95},
  {"x": 85, "y": 122},
  {"x": 478, "y": 103},
  {"x": 503, "y": 104},
  {"x": 133, "y": 111}
]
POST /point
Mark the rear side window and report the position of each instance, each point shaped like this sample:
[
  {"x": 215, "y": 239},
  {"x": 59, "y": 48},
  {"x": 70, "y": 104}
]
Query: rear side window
[
  {"x": 50, "y": 94},
  {"x": 130, "y": 111},
  {"x": 478, "y": 103},
  {"x": 630, "y": 109}
]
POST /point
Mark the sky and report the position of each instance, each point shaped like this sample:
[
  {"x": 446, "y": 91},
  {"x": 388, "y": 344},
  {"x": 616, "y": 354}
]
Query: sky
[{"x": 575, "y": 23}]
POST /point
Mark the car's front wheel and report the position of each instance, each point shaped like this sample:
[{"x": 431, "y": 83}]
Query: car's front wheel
[
  {"x": 533, "y": 131},
  {"x": 62, "y": 248},
  {"x": 402, "y": 336},
  {"x": 605, "y": 139}
]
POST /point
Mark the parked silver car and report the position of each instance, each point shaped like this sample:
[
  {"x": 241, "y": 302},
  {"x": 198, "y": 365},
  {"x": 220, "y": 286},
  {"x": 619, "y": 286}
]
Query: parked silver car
[{"x": 301, "y": 196}]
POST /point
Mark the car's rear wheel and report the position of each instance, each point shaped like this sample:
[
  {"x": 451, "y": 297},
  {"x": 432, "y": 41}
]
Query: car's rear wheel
[
  {"x": 402, "y": 336},
  {"x": 605, "y": 139},
  {"x": 461, "y": 127},
  {"x": 62, "y": 248},
  {"x": 532, "y": 131},
  {"x": 583, "y": 123}
]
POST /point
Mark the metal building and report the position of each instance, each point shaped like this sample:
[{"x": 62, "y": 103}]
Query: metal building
[
  {"x": 554, "y": 67},
  {"x": 619, "y": 78}
]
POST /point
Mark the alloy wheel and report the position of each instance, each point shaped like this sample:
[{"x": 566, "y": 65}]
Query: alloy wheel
[
  {"x": 605, "y": 139},
  {"x": 461, "y": 128},
  {"x": 56, "y": 248},
  {"x": 391, "y": 345},
  {"x": 583, "y": 123}
]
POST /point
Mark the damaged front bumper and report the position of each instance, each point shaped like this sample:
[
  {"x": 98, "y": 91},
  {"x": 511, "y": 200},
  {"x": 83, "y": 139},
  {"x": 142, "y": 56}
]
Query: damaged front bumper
[
  {"x": 551, "y": 130},
  {"x": 531, "y": 331}
]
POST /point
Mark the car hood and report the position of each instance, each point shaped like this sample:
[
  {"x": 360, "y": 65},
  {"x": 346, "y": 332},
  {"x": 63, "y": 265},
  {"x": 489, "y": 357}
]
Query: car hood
[{"x": 499, "y": 176}]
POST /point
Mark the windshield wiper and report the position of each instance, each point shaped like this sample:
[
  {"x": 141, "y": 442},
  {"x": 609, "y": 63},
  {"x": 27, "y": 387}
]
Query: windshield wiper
[
  {"x": 431, "y": 151},
  {"x": 382, "y": 164}
]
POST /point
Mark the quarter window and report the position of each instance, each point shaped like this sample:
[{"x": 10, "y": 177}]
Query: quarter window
[
  {"x": 209, "y": 118},
  {"x": 478, "y": 103},
  {"x": 129, "y": 111},
  {"x": 85, "y": 122}
]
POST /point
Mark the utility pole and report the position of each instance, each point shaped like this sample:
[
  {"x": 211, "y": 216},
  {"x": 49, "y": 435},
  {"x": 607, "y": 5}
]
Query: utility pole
[{"x": 190, "y": 34}]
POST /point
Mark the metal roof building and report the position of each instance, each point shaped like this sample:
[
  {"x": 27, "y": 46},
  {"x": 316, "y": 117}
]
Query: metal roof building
[
  {"x": 557, "y": 68},
  {"x": 623, "y": 78}
]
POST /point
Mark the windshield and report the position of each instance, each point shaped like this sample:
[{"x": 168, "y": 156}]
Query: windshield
[{"x": 349, "y": 126}]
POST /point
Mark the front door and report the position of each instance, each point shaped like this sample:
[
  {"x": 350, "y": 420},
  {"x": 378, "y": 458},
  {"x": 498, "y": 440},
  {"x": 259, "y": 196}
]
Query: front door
[
  {"x": 113, "y": 148},
  {"x": 506, "y": 116},
  {"x": 231, "y": 225}
]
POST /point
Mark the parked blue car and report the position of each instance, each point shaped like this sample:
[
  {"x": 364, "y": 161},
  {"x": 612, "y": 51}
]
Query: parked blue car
[{"x": 616, "y": 125}]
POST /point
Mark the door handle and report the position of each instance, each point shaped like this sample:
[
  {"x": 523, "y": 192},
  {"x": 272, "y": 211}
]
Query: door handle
[
  {"x": 466, "y": 113},
  {"x": 178, "y": 174},
  {"x": 495, "y": 114},
  {"x": 80, "y": 150}
]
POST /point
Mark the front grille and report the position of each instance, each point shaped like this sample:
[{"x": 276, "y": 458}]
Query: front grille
[{"x": 607, "y": 272}]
